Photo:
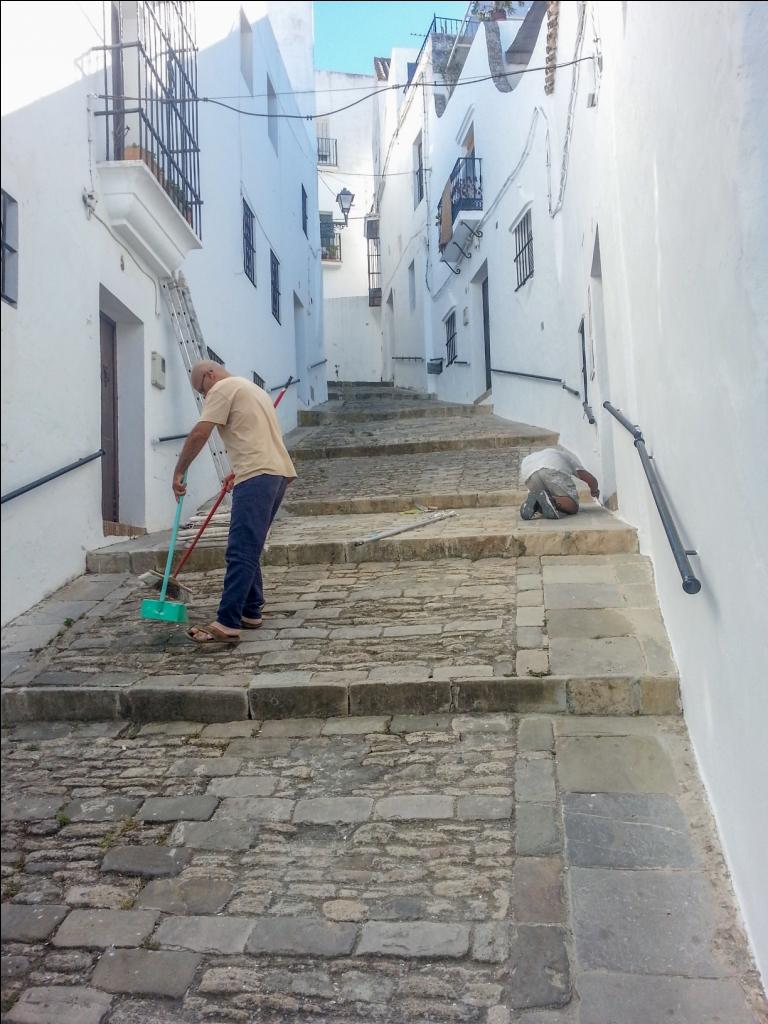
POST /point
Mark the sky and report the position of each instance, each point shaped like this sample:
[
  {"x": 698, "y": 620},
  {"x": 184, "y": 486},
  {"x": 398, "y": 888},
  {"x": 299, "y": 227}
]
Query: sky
[{"x": 349, "y": 34}]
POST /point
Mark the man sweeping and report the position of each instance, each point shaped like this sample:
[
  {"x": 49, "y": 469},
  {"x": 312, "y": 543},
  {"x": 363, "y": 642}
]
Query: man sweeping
[
  {"x": 250, "y": 430},
  {"x": 548, "y": 475}
]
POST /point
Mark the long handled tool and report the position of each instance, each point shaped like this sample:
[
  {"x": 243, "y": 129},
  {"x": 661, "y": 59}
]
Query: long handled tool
[
  {"x": 166, "y": 610},
  {"x": 174, "y": 589}
]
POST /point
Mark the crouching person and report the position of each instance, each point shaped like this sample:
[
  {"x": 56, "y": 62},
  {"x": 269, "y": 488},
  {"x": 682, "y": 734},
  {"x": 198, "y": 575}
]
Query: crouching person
[{"x": 549, "y": 477}]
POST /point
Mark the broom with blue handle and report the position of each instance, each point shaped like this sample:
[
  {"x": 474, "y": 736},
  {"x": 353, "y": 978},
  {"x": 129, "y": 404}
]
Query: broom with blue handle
[{"x": 163, "y": 610}]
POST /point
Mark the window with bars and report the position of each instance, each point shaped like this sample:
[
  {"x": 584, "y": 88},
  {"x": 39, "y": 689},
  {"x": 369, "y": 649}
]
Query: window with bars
[
  {"x": 258, "y": 380},
  {"x": 274, "y": 269},
  {"x": 214, "y": 357},
  {"x": 450, "y": 339},
  {"x": 524, "y": 250},
  {"x": 418, "y": 172},
  {"x": 304, "y": 211},
  {"x": 10, "y": 249},
  {"x": 249, "y": 246}
]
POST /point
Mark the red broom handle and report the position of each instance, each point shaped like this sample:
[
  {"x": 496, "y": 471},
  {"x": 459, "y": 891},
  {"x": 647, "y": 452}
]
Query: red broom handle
[{"x": 198, "y": 535}]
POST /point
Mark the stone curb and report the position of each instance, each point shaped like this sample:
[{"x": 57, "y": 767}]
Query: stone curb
[
  {"x": 271, "y": 699},
  {"x": 325, "y": 418},
  {"x": 513, "y": 544},
  {"x": 445, "y": 444}
]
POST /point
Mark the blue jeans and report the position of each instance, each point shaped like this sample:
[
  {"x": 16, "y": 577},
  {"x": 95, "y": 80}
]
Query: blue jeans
[{"x": 254, "y": 505}]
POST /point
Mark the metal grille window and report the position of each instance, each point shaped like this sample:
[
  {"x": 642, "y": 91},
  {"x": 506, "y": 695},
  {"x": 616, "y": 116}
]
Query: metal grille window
[
  {"x": 10, "y": 249},
  {"x": 524, "y": 250},
  {"x": 418, "y": 183},
  {"x": 327, "y": 152},
  {"x": 374, "y": 272},
  {"x": 149, "y": 88},
  {"x": 214, "y": 357},
  {"x": 249, "y": 247},
  {"x": 304, "y": 214},
  {"x": 450, "y": 339},
  {"x": 274, "y": 268},
  {"x": 259, "y": 380}
]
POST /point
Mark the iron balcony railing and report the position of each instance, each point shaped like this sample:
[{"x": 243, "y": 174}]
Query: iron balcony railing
[
  {"x": 330, "y": 248},
  {"x": 466, "y": 185},
  {"x": 150, "y": 97},
  {"x": 437, "y": 27},
  {"x": 691, "y": 584},
  {"x": 327, "y": 153}
]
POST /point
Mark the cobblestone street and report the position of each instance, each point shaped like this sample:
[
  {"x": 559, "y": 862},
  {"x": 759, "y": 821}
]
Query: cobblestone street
[
  {"x": 447, "y": 781},
  {"x": 436, "y": 869}
]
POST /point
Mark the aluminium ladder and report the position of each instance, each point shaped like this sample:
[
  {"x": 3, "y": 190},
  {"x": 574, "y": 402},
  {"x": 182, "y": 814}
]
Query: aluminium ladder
[{"x": 189, "y": 335}]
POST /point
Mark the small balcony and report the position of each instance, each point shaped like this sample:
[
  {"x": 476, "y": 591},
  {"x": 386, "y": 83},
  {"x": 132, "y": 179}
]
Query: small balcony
[
  {"x": 149, "y": 167},
  {"x": 330, "y": 248},
  {"x": 327, "y": 154},
  {"x": 460, "y": 208}
]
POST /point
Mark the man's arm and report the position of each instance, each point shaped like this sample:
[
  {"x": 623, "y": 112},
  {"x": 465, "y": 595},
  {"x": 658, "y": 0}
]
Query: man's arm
[
  {"x": 590, "y": 481},
  {"x": 196, "y": 441}
]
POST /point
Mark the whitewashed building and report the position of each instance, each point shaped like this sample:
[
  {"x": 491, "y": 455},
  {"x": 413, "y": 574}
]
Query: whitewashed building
[
  {"x": 352, "y": 313},
  {"x": 113, "y": 179},
  {"x": 596, "y": 232}
]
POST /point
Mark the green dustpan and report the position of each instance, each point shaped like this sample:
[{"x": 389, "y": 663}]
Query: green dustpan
[{"x": 162, "y": 610}]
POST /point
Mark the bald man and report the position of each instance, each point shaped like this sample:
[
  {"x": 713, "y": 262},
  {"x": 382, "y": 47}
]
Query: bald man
[{"x": 250, "y": 430}]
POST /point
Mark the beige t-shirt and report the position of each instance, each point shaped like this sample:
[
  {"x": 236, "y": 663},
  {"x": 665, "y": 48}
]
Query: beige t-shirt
[{"x": 249, "y": 429}]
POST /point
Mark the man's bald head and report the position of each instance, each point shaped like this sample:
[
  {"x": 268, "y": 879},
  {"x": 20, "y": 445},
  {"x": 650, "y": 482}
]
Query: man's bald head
[{"x": 206, "y": 373}]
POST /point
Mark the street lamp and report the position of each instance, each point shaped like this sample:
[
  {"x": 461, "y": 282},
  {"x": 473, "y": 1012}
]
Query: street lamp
[{"x": 345, "y": 199}]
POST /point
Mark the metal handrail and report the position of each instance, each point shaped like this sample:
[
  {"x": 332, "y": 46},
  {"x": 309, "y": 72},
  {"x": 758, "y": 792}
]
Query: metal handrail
[
  {"x": 172, "y": 437},
  {"x": 691, "y": 584},
  {"x": 315, "y": 365},
  {"x": 538, "y": 376},
  {"x": 52, "y": 476}
]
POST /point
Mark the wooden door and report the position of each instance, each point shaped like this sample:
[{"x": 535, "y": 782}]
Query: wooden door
[
  {"x": 487, "y": 336},
  {"x": 110, "y": 489}
]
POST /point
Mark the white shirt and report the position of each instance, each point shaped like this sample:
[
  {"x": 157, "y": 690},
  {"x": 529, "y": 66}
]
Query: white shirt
[{"x": 559, "y": 459}]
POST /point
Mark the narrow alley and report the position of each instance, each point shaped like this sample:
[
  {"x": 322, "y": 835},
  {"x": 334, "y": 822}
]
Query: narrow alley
[{"x": 447, "y": 781}]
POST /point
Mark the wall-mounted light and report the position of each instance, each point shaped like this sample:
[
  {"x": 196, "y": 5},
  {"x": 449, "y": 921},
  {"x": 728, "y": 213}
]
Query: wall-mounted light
[{"x": 345, "y": 198}]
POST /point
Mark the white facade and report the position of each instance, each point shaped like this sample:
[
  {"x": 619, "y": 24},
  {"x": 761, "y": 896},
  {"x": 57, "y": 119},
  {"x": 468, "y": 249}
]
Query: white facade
[
  {"x": 345, "y": 160},
  {"x": 643, "y": 173},
  {"x": 106, "y": 255}
]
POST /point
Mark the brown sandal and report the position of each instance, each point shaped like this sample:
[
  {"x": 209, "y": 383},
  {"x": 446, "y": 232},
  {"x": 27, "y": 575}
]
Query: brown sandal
[{"x": 212, "y": 635}]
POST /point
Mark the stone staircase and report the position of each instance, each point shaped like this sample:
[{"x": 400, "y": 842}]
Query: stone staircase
[{"x": 477, "y": 612}]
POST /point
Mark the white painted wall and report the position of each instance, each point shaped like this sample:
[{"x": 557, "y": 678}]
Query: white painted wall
[
  {"x": 668, "y": 171},
  {"x": 352, "y": 328},
  {"x": 348, "y": 319},
  {"x": 71, "y": 266}
]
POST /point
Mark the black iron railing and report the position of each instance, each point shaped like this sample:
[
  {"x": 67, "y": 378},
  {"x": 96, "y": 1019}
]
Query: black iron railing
[
  {"x": 330, "y": 248},
  {"x": 327, "y": 152},
  {"x": 539, "y": 376},
  {"x": 51, "y": 476},
  {"x": 437, "y": 27},
  {"x": 172, "y": 437},
  {"x": 289, "y": 383},
  {"x": 150, "y": 97},
  {"x": 691, "y": 584},
  {"x": 466, "y": 185},
  {"x": 524, "y": 250}
]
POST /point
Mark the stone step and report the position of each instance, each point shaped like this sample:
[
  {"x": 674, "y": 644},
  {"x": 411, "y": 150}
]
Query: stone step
[
  {"x": 361, "y": 412},
  {"x": 308, "y": 444},
  {"x": 365, "y": 505},
  {"x": 361, "y": 394},
  {"x": 471, "y": 533},
  {"x": 303, "y": 694}
]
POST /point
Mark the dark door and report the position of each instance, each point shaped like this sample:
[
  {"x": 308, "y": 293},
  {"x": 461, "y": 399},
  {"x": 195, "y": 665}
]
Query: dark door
[
  {"x": 109, "y": 474},
  {"x": 487, "y": 335}
]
